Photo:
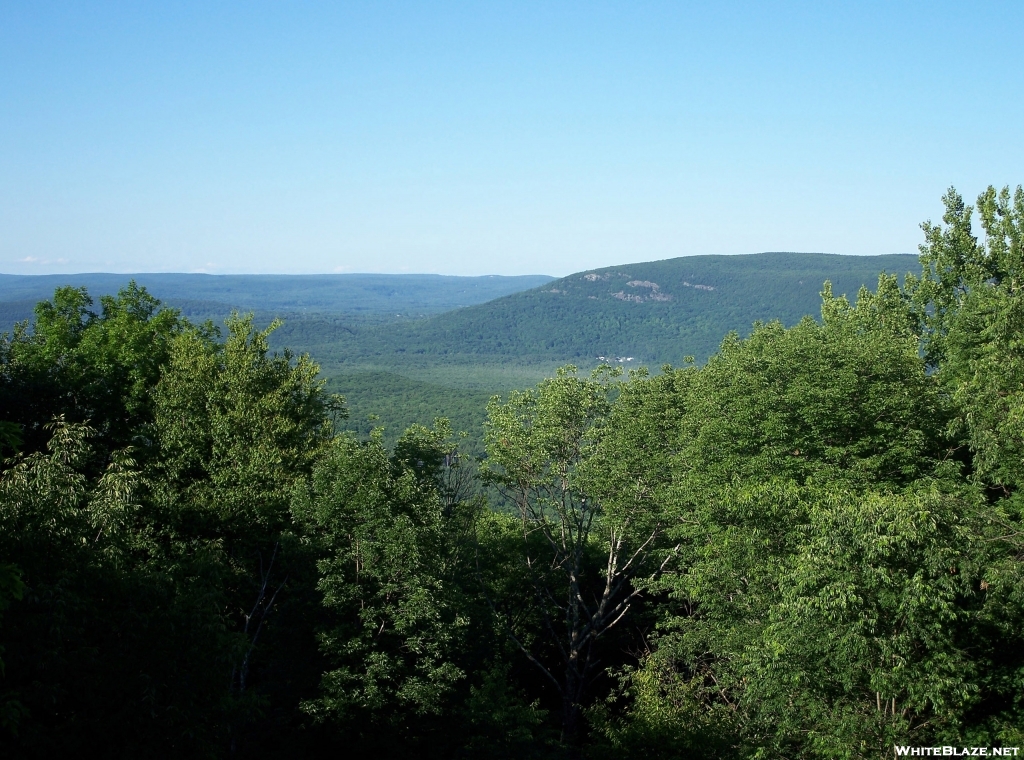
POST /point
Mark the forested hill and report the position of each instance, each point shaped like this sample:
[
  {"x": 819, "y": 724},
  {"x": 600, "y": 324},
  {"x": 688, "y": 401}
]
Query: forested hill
[
  {"x": 214, "y": 296},
  {"x": 654, "y": 312}
]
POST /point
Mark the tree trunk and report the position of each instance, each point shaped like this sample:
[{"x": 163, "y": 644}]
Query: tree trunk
[
  {"x": 571, "y": 717},
  {"x": 571, "y": 727}
]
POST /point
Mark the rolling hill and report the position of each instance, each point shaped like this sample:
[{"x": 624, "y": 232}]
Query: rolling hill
[
  {"x": 649, "y": 313},
  {"x": 204, "y": 296}
]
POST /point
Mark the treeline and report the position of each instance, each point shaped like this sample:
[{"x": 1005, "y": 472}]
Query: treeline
[{"x": 809, "y": 547}]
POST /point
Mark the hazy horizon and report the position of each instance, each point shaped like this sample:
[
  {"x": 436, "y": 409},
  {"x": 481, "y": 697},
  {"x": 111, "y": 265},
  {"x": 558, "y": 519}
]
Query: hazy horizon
[{"x": 411, "y": 273}]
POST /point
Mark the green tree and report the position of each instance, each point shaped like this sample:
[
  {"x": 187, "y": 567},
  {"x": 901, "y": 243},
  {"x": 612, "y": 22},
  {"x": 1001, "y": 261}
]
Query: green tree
[
  {"x": 971, "y": 306},
  {"x": 238, "y": 428},
  {"x": 147, "y": 606},
  {"x": 871, "y": 640},
  {"x": 113, "y": 643},
  {"x": 971, "y": 298},
  {"x": 88, "y": 367},
  {"x": 393, "y": 538},
  {"x": 828, "y": 549},
  {"x": 587, "y": 521}
]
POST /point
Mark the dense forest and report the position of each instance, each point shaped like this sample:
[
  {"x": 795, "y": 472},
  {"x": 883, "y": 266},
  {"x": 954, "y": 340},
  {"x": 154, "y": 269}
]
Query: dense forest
[
  {"x": 653, "y": 312},
  {"x": 402, "y": 371},
  {"x": 808, "y": 546}
]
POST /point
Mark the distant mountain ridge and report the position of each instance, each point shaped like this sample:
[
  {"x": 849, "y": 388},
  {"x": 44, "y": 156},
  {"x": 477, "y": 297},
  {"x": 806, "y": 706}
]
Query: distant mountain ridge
[
  {"x": 651, "y": 312},
  {"x": 214, "y": 296},
  {"x": 647, "y": 312}
]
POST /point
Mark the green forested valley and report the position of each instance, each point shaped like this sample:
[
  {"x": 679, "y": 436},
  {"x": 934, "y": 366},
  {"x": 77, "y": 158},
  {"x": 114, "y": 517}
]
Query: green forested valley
[
  {"x": 801, "y": 538},
  {"x": 644, "y": 314}
]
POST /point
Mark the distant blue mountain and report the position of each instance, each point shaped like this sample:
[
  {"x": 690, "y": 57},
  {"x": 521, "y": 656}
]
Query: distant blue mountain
[{"x": 214, "y": 296}]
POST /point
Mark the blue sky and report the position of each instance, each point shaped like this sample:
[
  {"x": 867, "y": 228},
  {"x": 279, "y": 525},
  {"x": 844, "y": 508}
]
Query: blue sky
[{"x": 491, "y": 138}]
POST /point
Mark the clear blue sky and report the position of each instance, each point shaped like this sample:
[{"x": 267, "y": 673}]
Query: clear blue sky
[{"x": 484, "y": 137}]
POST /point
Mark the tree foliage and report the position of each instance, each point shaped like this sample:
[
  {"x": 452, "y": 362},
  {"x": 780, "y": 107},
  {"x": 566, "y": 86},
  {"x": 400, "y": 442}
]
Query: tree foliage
[{"x": 807, "y": 547}]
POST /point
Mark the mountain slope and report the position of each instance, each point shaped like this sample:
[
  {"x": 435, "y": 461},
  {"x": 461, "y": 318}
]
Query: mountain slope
[{"x": 654, "y": 312}]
